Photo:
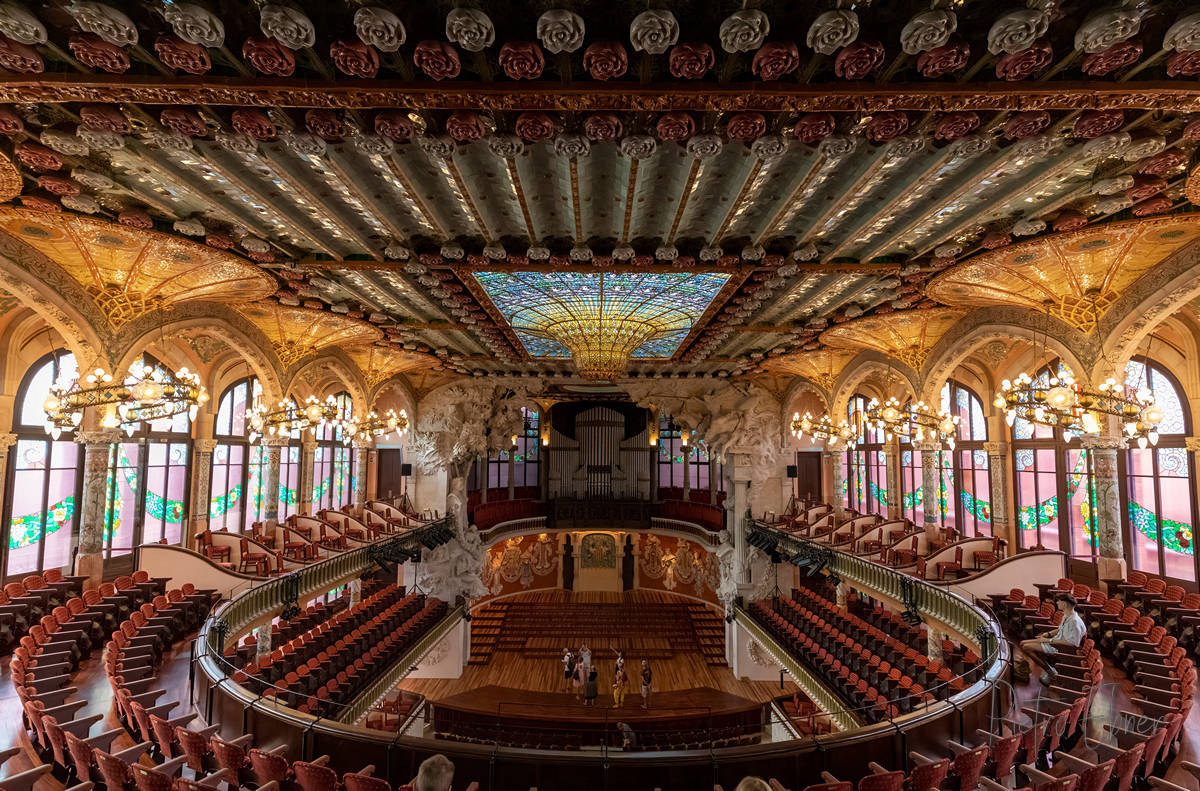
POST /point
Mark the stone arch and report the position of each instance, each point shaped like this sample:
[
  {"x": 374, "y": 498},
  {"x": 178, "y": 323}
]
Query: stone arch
[
  {"x": 864, "y": 366},
  {"x": 403, "y": 391},
  {"x": 44, "y": 287},
  {"x": 1157, "y": 294},
  {"x": 337, "y": 366},
  {"x": 798, "y": 388}
]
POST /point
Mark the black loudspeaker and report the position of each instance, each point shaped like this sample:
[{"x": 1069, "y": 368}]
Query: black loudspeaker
[
  {"x": 406, "y": 470},
  {"x": 791, "y": 470}
]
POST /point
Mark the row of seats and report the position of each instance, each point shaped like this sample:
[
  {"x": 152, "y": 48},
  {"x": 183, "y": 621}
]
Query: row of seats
[{"x": 284, "y": 631}]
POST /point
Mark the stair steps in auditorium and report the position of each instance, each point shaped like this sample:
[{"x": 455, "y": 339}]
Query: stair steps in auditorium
[{"x": 647, "y": 631}]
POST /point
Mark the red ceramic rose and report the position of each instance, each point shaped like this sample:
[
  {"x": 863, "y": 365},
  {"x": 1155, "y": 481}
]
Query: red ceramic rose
[
  {"x": 1026, "y": 124},
  {"x": 10, "y": 122},
  {"x": 218, "y": 240},
  {"x": 858, "y": 59},
  {"x": 943, "y": 60},
  {"x": 1069, "y": 220},
  {"x": 534, "y": 126},
  {"x": 393, "y": 124},
  {"x": 1157, "y": 204},
  {"x": 175, "y": 53},
  {"x": 1118, "y": 56},
  {"x": 1184, "y": 64},
  {"x": 136, "y": 218},
  {"x": 326, "y": 124},
  {"x": 642, "y": 260},
  {"x": 675, "y": 126},
  {"x": 605, "y": 60},
  {"x": 40, "y": 203},
  {"x": 437, "y": 59},
  {"x": 1016, "y": 66},
  {"x": 96, "y": 53},
  {"x": 1192, "y": 131},
  {"x": 57, "y": 185},
  {"x": 522, "y": 60},
  {"x": 38, "y": 156},
  {"x": 814, "y": 127},
  {"x": 254, "y": 123},
  {"x": 774, "y": 59},
  {"x": 746, "y": 127},
  {"x": 602, "y": 127},
  {"x": 955, "y": 125},
  {"x": 690, "y": 61},
  {"x": 994, "y": 239},
  {"x": 264, "y": 257},
  {"x": 104, "y": 117},
  {"x": 184, "y": 121},
  {"x": 1163, "y": 163},
  {"x": 268, "y": 56},
  {"x": 21, "y": 58},
  {"x": 886, "y": 125},
  {"x": 1145, "y": 186},
  {"x": 465, "y": 126},
  {"x": 1094, "y": 123},
  {"x": 354, "y": 58}
]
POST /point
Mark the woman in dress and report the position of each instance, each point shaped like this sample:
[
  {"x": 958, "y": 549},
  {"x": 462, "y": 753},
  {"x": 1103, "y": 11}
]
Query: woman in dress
[
  {"x": 591, "y": 688},
  {"x": 647, "y": 681},
  {"x": 579, "y": 679}
]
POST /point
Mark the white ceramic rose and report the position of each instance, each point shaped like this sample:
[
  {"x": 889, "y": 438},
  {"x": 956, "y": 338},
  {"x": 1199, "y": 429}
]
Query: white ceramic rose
[
  {"x": 1105, "y": 28},
  {"x": 704, "y": 146},
  {"x": 1028, "y": 227},
  {"x": 832, "y": 30},
  {"x": 195, "y": 24},
  {"x": 927, "y": 30},
  {"x": 20, "y": 25},
  {"x": 105, "y": 21},
  {"x": 304, "y": 144},
  {"x": 1105, "y": 146},
  {"x": 373, "y": 145},
  {"x": 471, "y": 29},
  {"x": 638, "y": 146},
  {"x": 189, "y": 227},
  {"x": 1113, "y": 185},
  {"x": 623, "y": 252},
  {"x": 581, "y": 253},
  {"x": 969, "y": 147},
  {"x": 711, "y": 253},
  {"x": 379, "y": 28},
  {"x": 64, "y": 143},
  {"x": 744, "y": 30},
  {"x": 537, "y": 253},
  {"x": 92, "y": 180},
  {"x": 83, "y": 203},
  {"x": 495, "y": 251},
  {"x": 805, "y": 252},
  {"x": 1016, "y": 30},
  {"x": 236, "y": 142},
  {"x": 769, "y": 147},
  {"x": 166, "y": 139},
  {"x": 1182, "y": 36},
  {"x": 288, "y": 26},
  {"x": 572, "y": 145},
  {"x": 654, "y": 31},
  {"x": 452, "y": 251},
  {"x": 1144, "y": 147},
  {"x": 837, "y": 146},
  {"x": 560, "y": 30},
  {"x": 905, "y": 146},
  {"x": 437, "y": 146}
]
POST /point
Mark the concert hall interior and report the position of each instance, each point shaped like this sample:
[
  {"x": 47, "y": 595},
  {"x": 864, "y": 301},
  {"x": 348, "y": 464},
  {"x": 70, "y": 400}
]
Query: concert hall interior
[{"x": 655, "y": 395}]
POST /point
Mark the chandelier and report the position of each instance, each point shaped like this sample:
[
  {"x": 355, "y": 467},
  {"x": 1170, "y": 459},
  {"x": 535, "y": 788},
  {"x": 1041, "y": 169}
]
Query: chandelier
[
  {"x": 822, "y": 428},
  {"x": 148, "y": 393},
  {"x": 918, "y": 422},
  {"x": 374, "y": 426},
  {"x": 288, "y": 417},
  {"x": 601, "y": 345},
  {"x": 1062, "y": 402}
]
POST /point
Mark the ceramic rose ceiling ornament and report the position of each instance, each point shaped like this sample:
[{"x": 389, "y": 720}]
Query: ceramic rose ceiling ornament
[
  {"x": 969, "y": 147},
  {"x": 744, "y": 30},
  {"x": 832, "y": 30},
  {"x": 195, "y": 24},
  {"x": 373, "y": 145},
  {"x": 64, "y": 142},
  {"x": 84, "y": 204},
  {"x": 379, "y": 28},
  {"x": 304, "y": 144},
  {"x": 769, "y": 147},
  {"x": 288, "y": 26},
  {"x": 927, "y": 30},
  {"x": 189, "y": 227},
  {"x": 572, "y": 145},
  {"x": 560, "y": 30},
  {"x": 236, "y": 142},
  {"x": 704, "y": 146},
  {"x": 92, "y": 180},
  {"x": 638, "y": 146},
  {"x": 105, "y": 21},
  {"x": 20, "y": 25},
  {"x": 1017, "y": 30},
  {"x": 654, "y": 31},
  {"x": 1105, "y": 28},
  {"x": 1028, "y": 227},
  {"x": 506, "y": 146},
  {"x": 806, "y": 252},
  {"x": 471, "y": 29},
  {"x": 838, "y": 146},
  {"x": 1182, "y": 36}
]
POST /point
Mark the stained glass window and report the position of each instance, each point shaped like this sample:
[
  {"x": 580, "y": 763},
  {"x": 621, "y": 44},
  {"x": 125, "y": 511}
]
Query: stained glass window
[
  {"x": 1160, "y": 508},
  {"x": 46, "y": 479},
  {"x": 866, "y": 466},
  {"x": 238, "y": 468},
  {"x": 333, "y": 462},
  {"x": 965, "y": 499},
  {"x": 671, "y": 469},
  {"x": 911, "y": 484}
]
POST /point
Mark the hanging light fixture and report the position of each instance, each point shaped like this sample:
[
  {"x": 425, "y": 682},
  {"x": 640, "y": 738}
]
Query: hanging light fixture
[
  {"x": 822, "y": 428},
  {"x": 148, "y": 393},
  {"x": 1062, "y": 402},
  {"x": 287, "y": 417},
  {"x": 375, "y": 425},
  {"x": 918, "y": 422}
]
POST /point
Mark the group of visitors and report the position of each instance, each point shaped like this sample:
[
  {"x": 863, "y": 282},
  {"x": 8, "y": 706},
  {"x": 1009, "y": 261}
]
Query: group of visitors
[{"x": 581, "y": 676}]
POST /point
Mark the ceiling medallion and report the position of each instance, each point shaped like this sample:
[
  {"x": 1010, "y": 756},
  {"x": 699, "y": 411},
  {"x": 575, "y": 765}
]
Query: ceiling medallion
[{"x": 146, "y": 394}]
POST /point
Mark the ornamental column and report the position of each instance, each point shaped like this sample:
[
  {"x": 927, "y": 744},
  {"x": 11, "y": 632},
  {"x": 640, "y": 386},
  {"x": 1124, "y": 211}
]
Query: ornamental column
[
  {"x": 89, "y": 560},
  {"x": 712, "y": 478},
  {"x": 273, "y": 453},
  {"x": 6, "y": 442},
  {"x": 687, "y": 487},
  {"x": 202, "y": 453},
  {"x": 1001, "y": 494},
  {"x": 1103, "y": 450},
  {"x": 929, "y": 484},
  {"x": 737, "y": 502},
  {"x": 654, "y": 474},
  {"x": 361, "y": 451},
  {"x": 838, "y": 460},
  {"x": 308, "y": 452},
  {"x": 891, "y": 454}
]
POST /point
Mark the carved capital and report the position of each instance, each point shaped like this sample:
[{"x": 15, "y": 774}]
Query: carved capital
[
  {"x": 927, "y": 445},
  {"x": 7, "y": 441},
  {"x": 1192, "y": 443},
  {"x": 275, "y": 442},
  {"x": 1102, "y": 442},
  {"x": 362, "y": 444},
  {"x": 104, "y": 436},
  {"x": 996, "y": 448},
  {"x": 205, "y": 445}
]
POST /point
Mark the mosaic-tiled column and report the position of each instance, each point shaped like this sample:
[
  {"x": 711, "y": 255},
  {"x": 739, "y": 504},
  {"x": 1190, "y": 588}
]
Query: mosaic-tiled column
[
  {"x": 1000, "y": 506},
  {"x": 838, "y": 460},
  {"x": 89, "y": 561},
  {"x": 892, "y": 456},
  {"x": 308, "y": 452},
  {"x": 202, "y": 456},
  {"x": 361, "y": 451},
  {"x": 929, "y": 484},
  {"x": 1103, "y": 450},
  {"x": 273, "y": 452}
]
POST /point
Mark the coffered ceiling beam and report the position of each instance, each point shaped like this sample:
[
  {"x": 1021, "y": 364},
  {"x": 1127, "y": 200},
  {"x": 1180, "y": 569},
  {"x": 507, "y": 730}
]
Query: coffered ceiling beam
[{"x": 1177, "y": 96}]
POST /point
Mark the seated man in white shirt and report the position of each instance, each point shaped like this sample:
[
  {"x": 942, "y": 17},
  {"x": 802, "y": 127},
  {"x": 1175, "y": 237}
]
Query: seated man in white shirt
[{"x": 1067, "y": 636}]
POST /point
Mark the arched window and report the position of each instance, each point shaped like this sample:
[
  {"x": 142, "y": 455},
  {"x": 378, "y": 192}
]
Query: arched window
[
  {"x": 1049, "y": 473},
  {"x": 521, "y": 460},
  {"x": 238, "y": 468},
  {"x": 672, "y": 467},
  {"x": 289, "y": 472},
  {"x": 146, "y": 488},
  {"x": 1160, "y": 493},
  {"x": 45, "y": 477},
  {"x": 866, "y": 464},
  {"x": 333, "y": 461},
  {"x": 964, "y": 471}
]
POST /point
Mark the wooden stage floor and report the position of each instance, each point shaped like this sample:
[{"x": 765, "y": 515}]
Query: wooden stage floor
[{"x": 517, "y": 673}]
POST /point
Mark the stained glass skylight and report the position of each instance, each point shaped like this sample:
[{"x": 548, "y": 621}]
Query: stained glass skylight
[{"x": 608, "y": 314}]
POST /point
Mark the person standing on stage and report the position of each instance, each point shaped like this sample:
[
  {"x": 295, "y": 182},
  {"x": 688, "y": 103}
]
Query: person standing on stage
[
  {"x": 585, "y": 656},
  {"x": 580, "y": 679},
  {"x": 620, "y": 686},
  {"x": 647, "y": 681},
  {"x": 620, "y": 664},
  {"x": 591, "y": 688},
  {"x": 568, "y": 661}
]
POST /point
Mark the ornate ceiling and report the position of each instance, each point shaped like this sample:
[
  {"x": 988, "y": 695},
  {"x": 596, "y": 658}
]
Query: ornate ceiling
[{"x": 392, "y": 167}]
